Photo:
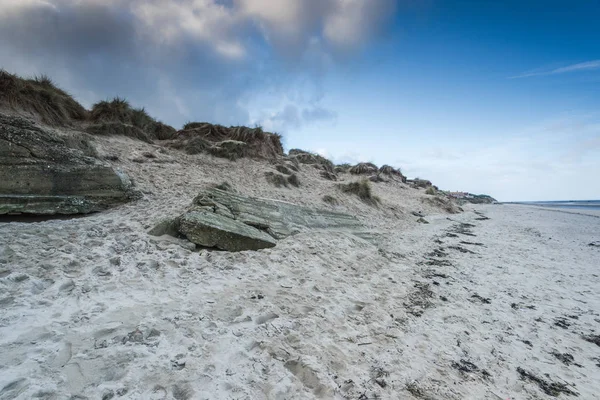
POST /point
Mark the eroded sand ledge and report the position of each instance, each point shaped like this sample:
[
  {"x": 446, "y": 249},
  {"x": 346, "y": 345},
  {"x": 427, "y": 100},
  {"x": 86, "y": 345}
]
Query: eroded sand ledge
[{"x": 448, "y": 310}]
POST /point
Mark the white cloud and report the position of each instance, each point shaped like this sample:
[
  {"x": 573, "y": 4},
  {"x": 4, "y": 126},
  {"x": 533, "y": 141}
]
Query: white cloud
[{"x": 584, "y": 66}]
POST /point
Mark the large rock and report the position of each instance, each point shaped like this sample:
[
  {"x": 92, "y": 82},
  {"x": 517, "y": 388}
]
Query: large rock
[
  {"x": 233, "y": 222},
  {"x": 43, "y": 173},
  {"x": 278, "y": 218},
  {"x": 210, "y": 229}
]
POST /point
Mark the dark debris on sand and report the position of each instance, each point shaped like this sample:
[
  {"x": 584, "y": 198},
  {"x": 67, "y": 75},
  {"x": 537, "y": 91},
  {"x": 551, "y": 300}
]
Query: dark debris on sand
[
  {"x": 461, "y": 249},
  {"x": 562, "y": 322},
  {"x": 565, "y": 358},
  {"x": 484, "y": 300},
  {"x": 592, "y": 339},
  {"x": 550, "y": 388}
]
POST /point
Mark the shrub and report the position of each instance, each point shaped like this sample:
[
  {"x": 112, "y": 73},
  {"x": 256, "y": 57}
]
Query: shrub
[
  {"x": 362, "y": 189},
  {"x": 430, "y": 191},
  {"x": 276, "y": 179},
  {"x": 39, "y": 96}
]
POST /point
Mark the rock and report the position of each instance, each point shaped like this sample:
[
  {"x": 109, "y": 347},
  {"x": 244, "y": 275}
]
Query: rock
[
  {"x": 234, "y": 222},
  {"x": 279, "y": 219},
  {"x": 169, "y": 226},
  {"x": 41, "y": 174},
  {"x": 209, "y": 229}
]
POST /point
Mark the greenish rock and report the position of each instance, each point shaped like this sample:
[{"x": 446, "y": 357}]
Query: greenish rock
[
  {"x": 233, "y": 222},
  {"x": 278, "y": 218},
  {"x": 209, "y": 229},
  {"x": 41, "y": 173}
]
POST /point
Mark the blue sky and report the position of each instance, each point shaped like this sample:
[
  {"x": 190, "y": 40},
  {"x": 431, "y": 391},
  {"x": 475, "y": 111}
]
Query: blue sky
[{"x": 482, "y": 96}]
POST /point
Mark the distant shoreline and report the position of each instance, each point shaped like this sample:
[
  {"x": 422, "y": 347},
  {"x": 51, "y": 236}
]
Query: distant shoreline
[{"x": 591, "y": 211}]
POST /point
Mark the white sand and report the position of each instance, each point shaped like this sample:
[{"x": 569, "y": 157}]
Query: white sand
[{"x": 95, "y": 306}]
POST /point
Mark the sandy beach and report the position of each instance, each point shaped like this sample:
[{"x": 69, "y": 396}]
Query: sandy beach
[{"x": 492, "y": 303}]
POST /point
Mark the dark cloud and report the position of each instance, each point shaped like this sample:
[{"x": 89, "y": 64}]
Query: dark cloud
[{"x": 183, "y": 60}]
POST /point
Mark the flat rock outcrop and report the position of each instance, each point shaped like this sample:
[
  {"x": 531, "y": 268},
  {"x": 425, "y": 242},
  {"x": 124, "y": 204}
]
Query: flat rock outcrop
[
  {"x": 233, "y": 222},
  {"x": 210, "y": 229},
  {"x": 42, "y": 173}
]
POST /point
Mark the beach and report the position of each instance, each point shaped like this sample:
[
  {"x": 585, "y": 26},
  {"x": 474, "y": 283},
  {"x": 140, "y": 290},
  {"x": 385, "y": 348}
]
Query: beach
[{"x": 493, "y": 303}]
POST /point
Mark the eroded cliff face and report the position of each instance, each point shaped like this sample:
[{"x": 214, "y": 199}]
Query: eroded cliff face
[{"x": 43, "y": 173}]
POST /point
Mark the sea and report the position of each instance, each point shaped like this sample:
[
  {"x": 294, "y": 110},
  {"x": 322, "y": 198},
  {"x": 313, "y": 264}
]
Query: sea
[{"x": 572, "y": 204}]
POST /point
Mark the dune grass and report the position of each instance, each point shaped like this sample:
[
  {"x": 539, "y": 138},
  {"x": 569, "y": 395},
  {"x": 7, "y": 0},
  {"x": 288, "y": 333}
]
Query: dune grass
[
  {"x": 364, "y": 168},
  {"x": 362, "y": 189},
  {"x": 40, "y": 97}
]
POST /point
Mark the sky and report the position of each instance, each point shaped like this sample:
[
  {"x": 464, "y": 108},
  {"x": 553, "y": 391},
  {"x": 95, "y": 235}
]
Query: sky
[{"x": 495, "y": 97}]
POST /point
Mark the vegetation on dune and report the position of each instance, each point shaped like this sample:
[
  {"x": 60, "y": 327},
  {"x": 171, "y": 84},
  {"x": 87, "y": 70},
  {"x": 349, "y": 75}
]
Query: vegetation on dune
[
  {"x": 40, "y": 97},
  {"x": 306, "y": 157},
  {"x": 362, "y": 189},
  {"x": 364, "y": 168},
  {"x": 342, "y": 168},
  {"x": 276, "y": 179},
  {"x": 260, "y": 143},
  {"x": 421, "y": 183},
  {"x": 391, "y": 171},
  {"x": 118, "y": 117}
]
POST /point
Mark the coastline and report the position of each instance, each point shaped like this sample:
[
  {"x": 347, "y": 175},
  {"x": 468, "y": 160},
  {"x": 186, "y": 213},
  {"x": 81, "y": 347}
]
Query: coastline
[{"x": 579, "y": 211}]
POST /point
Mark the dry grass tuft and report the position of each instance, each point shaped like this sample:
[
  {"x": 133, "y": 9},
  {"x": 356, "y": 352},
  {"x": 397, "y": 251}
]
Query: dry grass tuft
[
  {"x": 362, "y": 189},
  {"x": 391, "y": 171},
  {"x": 364, "y": 168},
  {"x": 39, "y": 97},
  {"x": 276, "y": 179},
  {"x": 260, "y": 144},
  {"x": 305, "y": 157},
  {"x": 342, "y": 168},
  {"x": 421, "y": 183},
  {"x": 118, "y": 128},
  {"x": 117, "y": 117}
]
